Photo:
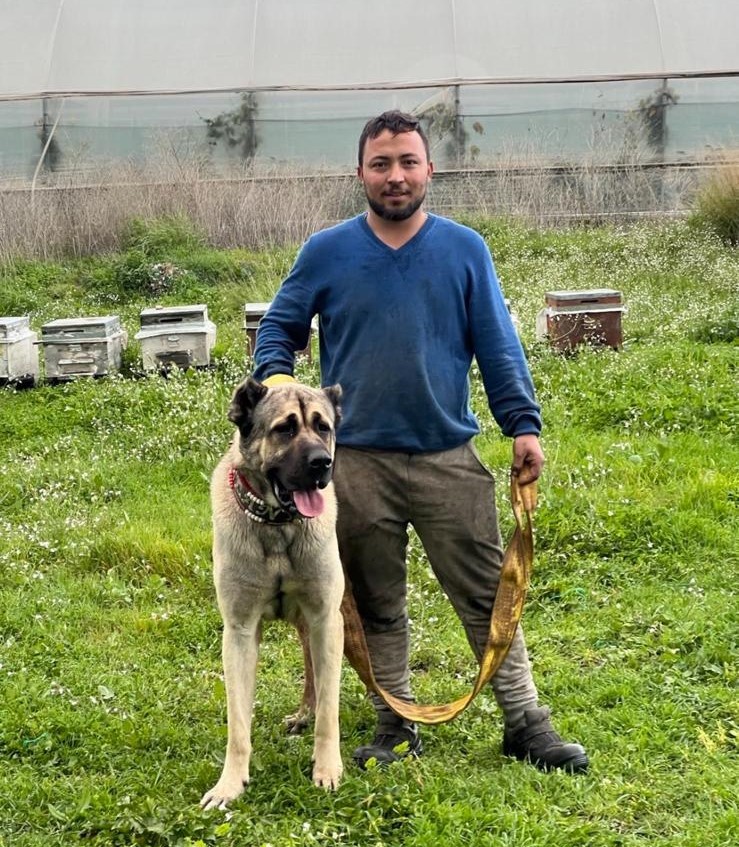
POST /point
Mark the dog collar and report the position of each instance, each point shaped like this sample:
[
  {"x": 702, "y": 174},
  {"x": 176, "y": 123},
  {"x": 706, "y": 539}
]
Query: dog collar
[{"x": 254, "y": 507}]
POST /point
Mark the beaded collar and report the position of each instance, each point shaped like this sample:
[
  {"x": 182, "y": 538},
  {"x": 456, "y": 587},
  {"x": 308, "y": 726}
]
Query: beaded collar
[{"x": 254, "y": 507}]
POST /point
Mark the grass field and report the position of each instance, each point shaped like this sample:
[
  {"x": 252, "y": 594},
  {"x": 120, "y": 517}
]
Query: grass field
[{"x": 112, "y": 715}]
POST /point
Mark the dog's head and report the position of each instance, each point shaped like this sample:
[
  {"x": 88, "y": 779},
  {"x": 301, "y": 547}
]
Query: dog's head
[{"x": 287, "y": 440}]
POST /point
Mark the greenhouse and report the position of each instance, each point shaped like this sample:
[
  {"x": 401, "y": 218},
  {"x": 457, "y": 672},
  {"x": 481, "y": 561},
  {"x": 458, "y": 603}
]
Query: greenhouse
[
  {"x": 127, "y": 91},
  {"x": 114, "y": 79}
]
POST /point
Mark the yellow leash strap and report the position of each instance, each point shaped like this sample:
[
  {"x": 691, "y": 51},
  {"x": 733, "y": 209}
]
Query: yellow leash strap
[{"x": 507, "y": 609}]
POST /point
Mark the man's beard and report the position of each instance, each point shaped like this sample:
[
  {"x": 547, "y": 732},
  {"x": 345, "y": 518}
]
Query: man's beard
[{"x": 395, "y": 214}]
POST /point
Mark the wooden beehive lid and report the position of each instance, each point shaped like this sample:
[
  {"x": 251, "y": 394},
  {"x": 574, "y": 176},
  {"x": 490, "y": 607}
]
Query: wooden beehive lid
[
  {"x": 166, "y": 316},
  {"x": 13, "y": 328},
  {"x": 256, "y": 310},
  {"x": 72, "y": 330},
  {"x": 253, "y": 313},
  {"x": 597, "y": 296}
]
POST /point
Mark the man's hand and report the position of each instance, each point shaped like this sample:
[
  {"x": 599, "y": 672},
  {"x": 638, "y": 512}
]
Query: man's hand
[{"x": 528, "y": 459}]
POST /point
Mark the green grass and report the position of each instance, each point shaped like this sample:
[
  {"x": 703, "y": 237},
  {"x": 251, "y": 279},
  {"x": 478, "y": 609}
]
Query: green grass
[{"x": 113, "y": 708}]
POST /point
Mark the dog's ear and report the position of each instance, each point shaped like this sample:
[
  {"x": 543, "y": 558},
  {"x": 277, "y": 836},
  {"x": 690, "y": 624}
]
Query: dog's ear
[
  {"x": 333, "y": 392},
  {"x": 245, "y": 399}
]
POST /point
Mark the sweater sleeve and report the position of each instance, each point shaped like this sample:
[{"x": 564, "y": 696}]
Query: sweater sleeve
[
  {"x": 285, "y": 328},
  {"x": 500, "y": 357}
]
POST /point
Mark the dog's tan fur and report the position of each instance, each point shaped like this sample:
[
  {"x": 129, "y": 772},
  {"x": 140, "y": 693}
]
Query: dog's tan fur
[{"x": 291, "y": 570}]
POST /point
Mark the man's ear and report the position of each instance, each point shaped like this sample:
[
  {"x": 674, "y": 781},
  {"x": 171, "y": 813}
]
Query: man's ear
[{"x": 243, "y": 402}]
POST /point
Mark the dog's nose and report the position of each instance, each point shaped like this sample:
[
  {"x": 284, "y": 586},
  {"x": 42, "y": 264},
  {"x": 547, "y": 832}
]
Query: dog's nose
[{"x": 319, "y": 462}]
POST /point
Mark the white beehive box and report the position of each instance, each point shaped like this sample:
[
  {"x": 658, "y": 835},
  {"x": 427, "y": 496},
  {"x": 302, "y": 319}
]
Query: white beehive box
[
  {"x": 82, "y": 347},
  {"x": 176, "y": 335},
  {"x": 18, "y": 356}
]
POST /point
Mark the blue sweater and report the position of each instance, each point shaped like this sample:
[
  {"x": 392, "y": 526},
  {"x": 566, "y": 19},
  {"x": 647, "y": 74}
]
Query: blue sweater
[{"x": 398, "y": 331}]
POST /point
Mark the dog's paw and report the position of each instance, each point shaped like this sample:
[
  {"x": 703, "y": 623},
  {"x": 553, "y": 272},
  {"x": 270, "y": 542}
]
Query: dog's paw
[
  {"x": 222, "y": 793},
  {"x": 327, "y": 777},
  {"x": 297, "y": 724}
]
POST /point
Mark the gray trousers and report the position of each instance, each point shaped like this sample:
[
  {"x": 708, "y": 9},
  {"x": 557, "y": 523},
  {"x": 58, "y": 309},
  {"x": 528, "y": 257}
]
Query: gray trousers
[{"x": 449, "y": 499}]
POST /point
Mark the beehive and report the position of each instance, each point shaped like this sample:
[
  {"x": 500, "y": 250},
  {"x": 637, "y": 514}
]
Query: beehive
[
  {"x": 591, "y": 317},
  {"x": 180, "y": 336},
  {"x": 253, "y": 314},
  {"x": 18, "y": 356},
  {"x": 76, "y": 347}
]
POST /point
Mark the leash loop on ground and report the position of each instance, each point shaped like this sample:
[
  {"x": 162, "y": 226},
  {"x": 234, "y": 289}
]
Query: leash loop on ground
[{"x": 507, "y": 610}]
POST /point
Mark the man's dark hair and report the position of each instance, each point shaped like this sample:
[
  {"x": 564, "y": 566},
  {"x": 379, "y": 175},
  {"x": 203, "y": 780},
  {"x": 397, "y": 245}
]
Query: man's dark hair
[{"x": 396, "y": 122}]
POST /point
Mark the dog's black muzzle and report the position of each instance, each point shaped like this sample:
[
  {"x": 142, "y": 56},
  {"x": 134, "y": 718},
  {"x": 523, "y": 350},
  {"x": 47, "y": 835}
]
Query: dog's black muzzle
[
  {"x": 319, "y": 467},
  {"x": 313, "y": 469}
]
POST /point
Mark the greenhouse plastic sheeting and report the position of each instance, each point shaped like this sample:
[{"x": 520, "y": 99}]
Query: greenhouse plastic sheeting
[{"x": 62, "y": 47}]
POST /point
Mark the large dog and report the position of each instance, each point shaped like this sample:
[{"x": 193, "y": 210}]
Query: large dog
[{"x": 275, "y": 555}]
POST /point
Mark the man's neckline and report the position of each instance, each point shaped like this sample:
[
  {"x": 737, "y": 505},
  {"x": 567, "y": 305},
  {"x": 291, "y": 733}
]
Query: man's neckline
[{"x": 392, "y": 248}]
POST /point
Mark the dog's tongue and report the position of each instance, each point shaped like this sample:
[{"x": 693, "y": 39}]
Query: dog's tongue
[{"x": 309, "y": 503}]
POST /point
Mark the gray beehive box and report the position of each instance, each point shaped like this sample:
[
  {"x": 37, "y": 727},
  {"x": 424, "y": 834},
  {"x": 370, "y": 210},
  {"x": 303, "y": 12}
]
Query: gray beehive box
[
  {"x": 176, "y": 335},
  {"x": 82, "y": 347},
  {"x": 18, "y": 356},
  {"x": 253, "y": 314}
]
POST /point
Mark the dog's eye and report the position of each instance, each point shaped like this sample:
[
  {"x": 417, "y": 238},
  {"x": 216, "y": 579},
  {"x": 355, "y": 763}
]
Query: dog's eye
[
  {"x": 287, "y": 428},
  {"x": 323, "y": 428}
]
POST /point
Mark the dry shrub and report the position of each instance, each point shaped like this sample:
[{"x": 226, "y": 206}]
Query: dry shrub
[
  {"x": 613, "y": 181},
  {"x": 717, "y": 203},
  {"x": 82, "y": 212}
]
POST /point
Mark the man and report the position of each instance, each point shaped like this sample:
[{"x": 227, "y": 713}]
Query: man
[{"x": 405, "y": 300}]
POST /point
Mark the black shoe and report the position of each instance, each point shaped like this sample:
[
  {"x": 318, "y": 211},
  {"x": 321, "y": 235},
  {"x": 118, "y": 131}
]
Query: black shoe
[
  {"x": 384, "y": 746},
  {"x": 534, "y": 740}
]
